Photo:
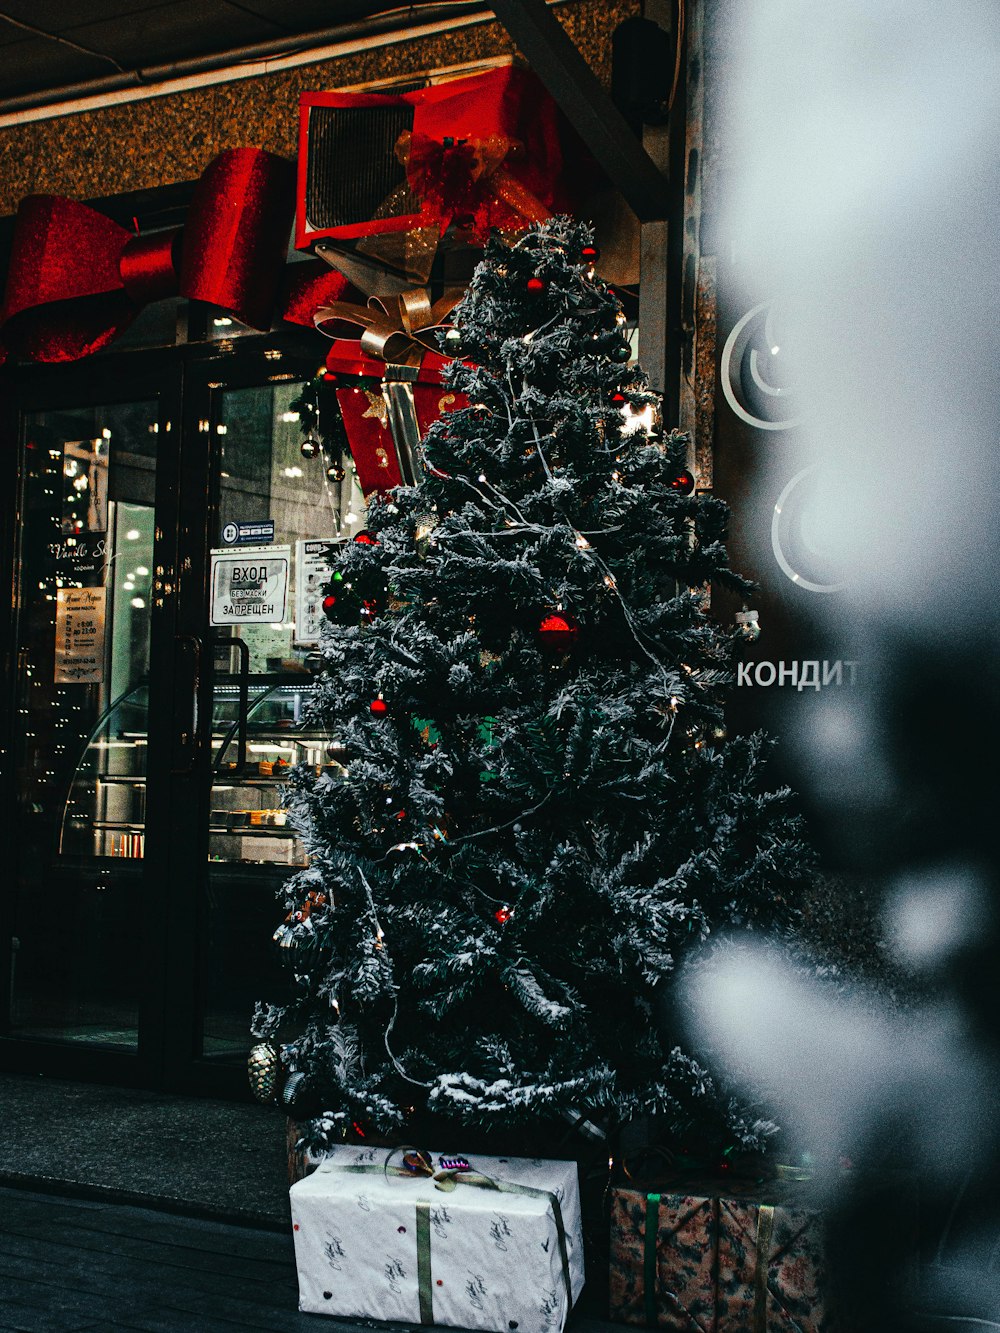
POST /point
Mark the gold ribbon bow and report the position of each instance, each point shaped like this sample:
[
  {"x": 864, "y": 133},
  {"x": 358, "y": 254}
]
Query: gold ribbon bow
[{"x": 389, "y": 331}]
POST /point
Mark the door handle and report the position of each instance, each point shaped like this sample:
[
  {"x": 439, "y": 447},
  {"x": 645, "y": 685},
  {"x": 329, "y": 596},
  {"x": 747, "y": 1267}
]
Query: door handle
[
  {"x": 230, "y": 640},
  {"x": 186, "y": 736}
]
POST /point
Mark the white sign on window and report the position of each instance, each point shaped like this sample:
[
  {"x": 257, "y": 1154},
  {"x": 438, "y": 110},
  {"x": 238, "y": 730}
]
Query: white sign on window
[
  {"x": 80, "y": 636},
  {"x": 312, "y": 571},
  {"x": 250, "y": 587}
]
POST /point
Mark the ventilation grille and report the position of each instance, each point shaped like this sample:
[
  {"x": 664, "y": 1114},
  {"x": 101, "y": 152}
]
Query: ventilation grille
[{"x": 352, "y": 171}]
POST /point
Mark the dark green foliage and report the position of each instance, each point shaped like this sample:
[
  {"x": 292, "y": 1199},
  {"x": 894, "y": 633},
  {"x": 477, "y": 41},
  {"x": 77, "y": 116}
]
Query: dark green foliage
[{"x": 528, "y": 841}]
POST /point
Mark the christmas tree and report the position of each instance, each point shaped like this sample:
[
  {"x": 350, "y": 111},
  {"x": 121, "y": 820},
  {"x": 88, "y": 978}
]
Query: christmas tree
[{"x": 541, "y": 818}]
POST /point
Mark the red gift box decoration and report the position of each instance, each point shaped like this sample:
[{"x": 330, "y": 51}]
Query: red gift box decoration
[
  {"x": 386, "y": 415},
  {"x": 384, "y": 424},
  {"x": 487, "y": 150}
]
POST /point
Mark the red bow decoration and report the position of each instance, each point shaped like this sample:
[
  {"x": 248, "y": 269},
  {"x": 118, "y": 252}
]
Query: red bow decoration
[
  {"x": 77, "y": 279},
  {"x": 468, "y": 181}
]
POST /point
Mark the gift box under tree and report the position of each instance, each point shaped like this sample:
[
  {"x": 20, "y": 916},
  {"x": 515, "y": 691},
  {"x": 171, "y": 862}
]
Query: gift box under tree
[
  {"x": 721, "y": 1258},
  {"x": 495, "y": 1247}
]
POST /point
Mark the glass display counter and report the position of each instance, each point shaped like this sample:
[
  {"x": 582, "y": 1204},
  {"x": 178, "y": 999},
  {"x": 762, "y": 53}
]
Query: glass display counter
[
  {"x": 105, "y": 809},
  {"x": 258, "y": 735},
  {"x": 248, "y": 824}
]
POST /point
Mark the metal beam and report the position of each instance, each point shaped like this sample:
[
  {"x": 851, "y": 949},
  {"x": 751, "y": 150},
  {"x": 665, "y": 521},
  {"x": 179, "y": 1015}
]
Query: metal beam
[
  {"x": 574, "y": 86},
  {"x": 655, "y": 278}
]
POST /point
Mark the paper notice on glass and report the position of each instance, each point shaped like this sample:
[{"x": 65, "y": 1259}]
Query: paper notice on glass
[
  {"x": 312, "y": 571},
  {"x": 250, "y": 587},
  {"x": 79, "y": 636}
]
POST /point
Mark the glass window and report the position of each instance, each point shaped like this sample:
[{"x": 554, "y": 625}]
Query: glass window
[{"x": 82, "y": 698}]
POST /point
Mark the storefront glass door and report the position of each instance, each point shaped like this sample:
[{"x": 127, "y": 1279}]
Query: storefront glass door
[
  {"x": 151, "y": 726},
  {"x": 82, "y": 708}
]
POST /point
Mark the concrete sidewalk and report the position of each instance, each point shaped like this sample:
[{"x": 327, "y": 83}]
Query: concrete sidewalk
[
  {"x": 190, "y": 1154},
  {"x": 82, "y": 1265}
]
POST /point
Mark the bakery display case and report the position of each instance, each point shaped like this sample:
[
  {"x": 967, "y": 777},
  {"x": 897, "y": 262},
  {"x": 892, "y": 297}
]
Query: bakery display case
[{"x": 248, "y": 824}]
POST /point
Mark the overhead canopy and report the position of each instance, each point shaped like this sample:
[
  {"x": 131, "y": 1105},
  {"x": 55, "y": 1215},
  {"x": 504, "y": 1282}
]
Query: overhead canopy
[{"x": 49, "y": 50}]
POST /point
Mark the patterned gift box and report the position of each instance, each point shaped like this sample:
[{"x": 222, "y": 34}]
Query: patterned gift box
[
  {"x": 721, "y": 1257},
  {"x": 662, "y": 1262},
  {"x": 502, "y": 1248},
  {"x": 773, "y": 1269},
  {"x": 385, "y": 422}
]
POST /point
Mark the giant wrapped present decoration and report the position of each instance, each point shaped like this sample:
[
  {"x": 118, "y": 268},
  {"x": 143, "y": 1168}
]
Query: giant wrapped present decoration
[
  {"x": 388, "y": 174},
  {"x": 383, "y": 177},
  {"x": 491, "y": 1244},
  {"x": 721, "y": 1257},
  {"x": 77, "y": 279},
  {"x": 388, "y": 381}
]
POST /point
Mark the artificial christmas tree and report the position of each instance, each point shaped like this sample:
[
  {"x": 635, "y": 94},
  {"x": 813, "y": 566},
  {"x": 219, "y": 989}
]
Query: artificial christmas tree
[{"x": 541, "y": 818}]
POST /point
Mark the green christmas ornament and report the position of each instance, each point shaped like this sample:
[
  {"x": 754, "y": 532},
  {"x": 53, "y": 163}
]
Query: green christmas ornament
[{"x": 264, "y": 1071}]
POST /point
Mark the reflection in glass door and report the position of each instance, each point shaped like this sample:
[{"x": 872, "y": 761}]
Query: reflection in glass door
[{"x": 83, "y": 641}]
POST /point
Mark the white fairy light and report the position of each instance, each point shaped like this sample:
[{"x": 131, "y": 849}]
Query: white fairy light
[{"x": 644, "y": 419}]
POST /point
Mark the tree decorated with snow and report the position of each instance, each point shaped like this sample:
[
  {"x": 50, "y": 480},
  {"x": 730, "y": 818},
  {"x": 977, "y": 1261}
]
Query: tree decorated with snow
[{"x": 541, "y": 818}]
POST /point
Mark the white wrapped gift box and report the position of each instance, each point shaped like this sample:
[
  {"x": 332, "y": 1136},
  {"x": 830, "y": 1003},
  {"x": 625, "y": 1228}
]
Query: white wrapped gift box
[{"x": 502, "y": 1249}]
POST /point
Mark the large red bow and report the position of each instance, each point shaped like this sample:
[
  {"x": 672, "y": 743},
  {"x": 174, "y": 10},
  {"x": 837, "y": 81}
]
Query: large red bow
[
  {"x": 77, "y": 279},
  {"x": 469, "y": 180}
]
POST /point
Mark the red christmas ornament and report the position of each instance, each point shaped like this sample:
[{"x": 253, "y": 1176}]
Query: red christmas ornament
[
  {"x": 535, "y": 285},
  {"x": 379, "y": 706},
  {"x": 329, "y": 602},
  {"x": 618, "y": 399},
  {"x": 683, "y": 483},
  {"x": 590, "y": 254},
  {"x": 558, "y": 632},
  {"x": 364, "y": 538},
  {"x": 503, "y": 915}
]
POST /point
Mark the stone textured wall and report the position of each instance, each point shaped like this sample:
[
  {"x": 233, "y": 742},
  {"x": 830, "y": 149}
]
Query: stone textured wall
[{"x": 164, "y": 140}]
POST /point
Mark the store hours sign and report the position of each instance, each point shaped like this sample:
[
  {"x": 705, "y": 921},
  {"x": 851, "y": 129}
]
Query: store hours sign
[{"x": 250, "y": 587}]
